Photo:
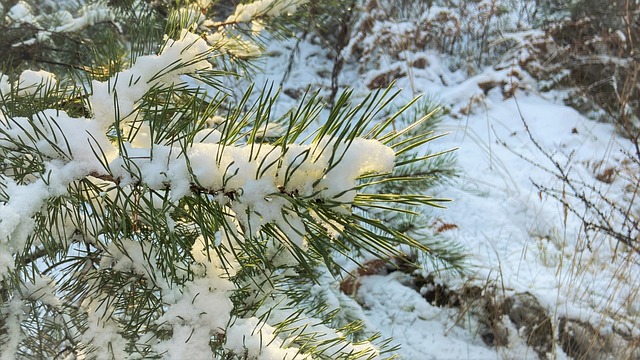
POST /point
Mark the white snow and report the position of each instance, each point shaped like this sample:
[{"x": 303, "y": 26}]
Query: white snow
[
  {"x": 21, "y": 13},
  {"x": 75, "y": 148},
  {"x": 42, "y": 289},
  {"x": 248, "y": 12},
  {"x": 36, "y": 81},
  {"x": 149, "y": 71},
  {"x": 14, "y": 335},
  {"x": 90, "y": 14},
  {"x": 250, "y": 336},
  {"x": 424, "y": 331},
  {"x": 5, "y": 86},
  {"x": 101, "y": 339}
]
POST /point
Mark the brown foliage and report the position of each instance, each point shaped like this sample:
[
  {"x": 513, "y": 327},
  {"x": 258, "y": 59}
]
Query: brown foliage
[{"x": 598, "y": 53}]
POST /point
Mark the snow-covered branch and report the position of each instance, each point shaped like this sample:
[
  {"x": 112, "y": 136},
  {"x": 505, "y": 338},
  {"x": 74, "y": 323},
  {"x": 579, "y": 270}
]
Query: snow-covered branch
[{"x": 151, "y": 214}]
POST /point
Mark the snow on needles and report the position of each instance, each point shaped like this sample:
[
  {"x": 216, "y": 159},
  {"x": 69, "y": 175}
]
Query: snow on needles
[
  {"x": 74, "y": 143},
  {"x": 21, "y": 13},
  {"x": 36, "y": 81},
  {"x": 248, "y": 12},
  {"x": 116, "y": 98},
  {"x": 254, "y": 176}
]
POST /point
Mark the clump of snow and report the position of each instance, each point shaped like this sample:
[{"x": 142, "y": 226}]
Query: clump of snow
[
  {"x": 129, "y": 255},
  {"x": 187, "y": 55},
  {"x": 248, "y": 12},
  {"x": 16, "y": 221},
  {"x": 291, "y": 324},
  {"x": 31, "y": 82},
  {"x": 102, "y": 338},
  {"x": 56, "y": 134},
  {"x": 235, "y": 45},
  {"x": 257, "y": 340},
  {"x": 242, "y": 171},
  {"x": 21, "y": 13},
  {"x": 423, "y": 330},
  {"x": 13, "y": 314},
  {"x": 271, "y": 130},
  {"x": 5, "y": 86},
  {"x": 201, "y": 310},
  {"x": 207, "y": 136},
  {"x": 89, "y": 15},
  {"x": 190, "y": 17},
  {"x": 360, "y": 157},
  {"x": 42, "y": 289}
]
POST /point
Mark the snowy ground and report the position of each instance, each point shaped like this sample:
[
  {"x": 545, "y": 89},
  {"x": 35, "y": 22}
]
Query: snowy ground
[{"x": 519, "y": 239}]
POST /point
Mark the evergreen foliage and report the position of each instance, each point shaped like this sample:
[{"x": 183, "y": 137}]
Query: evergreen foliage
[{"x": 146, "y": 213}]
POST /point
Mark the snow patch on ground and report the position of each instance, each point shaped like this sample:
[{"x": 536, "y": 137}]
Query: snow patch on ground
[{"x": 422, "y": 330}]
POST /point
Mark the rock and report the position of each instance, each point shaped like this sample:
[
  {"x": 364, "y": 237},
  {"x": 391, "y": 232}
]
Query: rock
[
  {"x": 526, "y": 314},
  {"x": 495, "y": 335},
  {"x": 351, "y": 283},
  {"x": 581, "y": 340},
  {"x": 384, "y": 79}
]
